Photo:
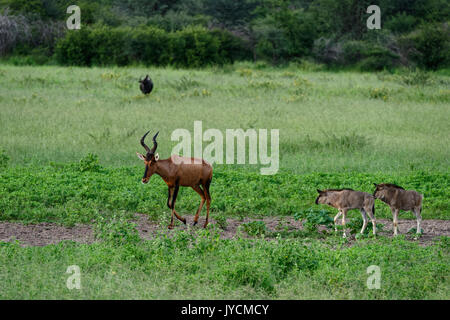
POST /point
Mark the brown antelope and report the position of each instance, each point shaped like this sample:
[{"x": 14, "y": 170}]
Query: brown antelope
[
  {"x": 400, "y": 199},
  {"x": 348, "y": 199},
  {"x": 179, "y": 171}
]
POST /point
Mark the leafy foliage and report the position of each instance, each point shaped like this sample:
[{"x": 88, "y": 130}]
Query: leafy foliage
[
  {"x": 255, "y": 228},
  {"x": 314, "y": 218}
]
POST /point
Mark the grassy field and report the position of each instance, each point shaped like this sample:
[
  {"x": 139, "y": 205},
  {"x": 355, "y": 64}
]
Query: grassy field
[
  {"x": 337, "y": 129},
  {"x": 202, "y": 267},
  {"x": 328, "y": 122}
]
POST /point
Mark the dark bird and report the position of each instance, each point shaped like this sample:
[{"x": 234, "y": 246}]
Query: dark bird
[{"x": 146, "y": 85}]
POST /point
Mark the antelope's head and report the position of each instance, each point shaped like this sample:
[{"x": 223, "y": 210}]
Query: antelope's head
[{"x": 150, "y": 159}]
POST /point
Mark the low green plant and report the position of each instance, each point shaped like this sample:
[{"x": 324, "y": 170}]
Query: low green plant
[
  {"x": 416, "y": 78},
  {"x": 221, "y": 221},
  {"x": 89, "y": 163},
  {"x": 184, "y": 83},
  {"x": 255, "y": 228},
  {"x": 313, "y": 218},
  {"x": 379, "y": 93},
  {"x": 117, "y": 230}
]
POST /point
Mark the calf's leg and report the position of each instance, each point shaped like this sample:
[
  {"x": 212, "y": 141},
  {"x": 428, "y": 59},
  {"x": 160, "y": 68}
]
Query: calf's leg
[{"x": 365, "y": 220}]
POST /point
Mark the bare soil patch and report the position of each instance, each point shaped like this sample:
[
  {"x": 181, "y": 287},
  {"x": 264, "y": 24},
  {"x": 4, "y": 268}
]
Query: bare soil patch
[{"x": 42, "y": 234}]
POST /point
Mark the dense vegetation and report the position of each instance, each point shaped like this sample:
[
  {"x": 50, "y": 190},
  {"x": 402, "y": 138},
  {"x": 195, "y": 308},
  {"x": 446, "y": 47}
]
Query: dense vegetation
[
  {"x": 189, "y": 266},
  {"x": 82, "y": 193},
  {"x": 209, "y": 32}
]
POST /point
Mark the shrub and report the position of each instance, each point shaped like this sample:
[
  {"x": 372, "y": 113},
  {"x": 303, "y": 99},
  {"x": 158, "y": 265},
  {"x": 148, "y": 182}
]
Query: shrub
[
  {"x": 401, "y": 23},
  {"x": 75, "y": 48},
  {"x": 110, "y": 46},
  {"x": 314, "y": 218},
  {"x": 414, "y": 78},
  {"x": 151, "y": 46},
  {"x": 431, "y": 46},
  {"x": 190, "y": 47},
  {"x": 378, "y": 58},
  {"x": 89, "y": 163}
]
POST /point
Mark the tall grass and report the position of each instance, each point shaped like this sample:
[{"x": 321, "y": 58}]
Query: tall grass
[{"x": 328, "y": 121}]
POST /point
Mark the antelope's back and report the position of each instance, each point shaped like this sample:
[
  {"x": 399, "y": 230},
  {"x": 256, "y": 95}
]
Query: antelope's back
[{"x": 194, "y": 168}]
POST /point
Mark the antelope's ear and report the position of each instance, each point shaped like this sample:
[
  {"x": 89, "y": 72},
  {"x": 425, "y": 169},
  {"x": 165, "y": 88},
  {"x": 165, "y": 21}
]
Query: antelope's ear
[
  {"x": 375, "y": 185},
  {"x": 319, "y": 191},
  {"x": 140, "y": 156},
  {"x": 157, "y": 157}
]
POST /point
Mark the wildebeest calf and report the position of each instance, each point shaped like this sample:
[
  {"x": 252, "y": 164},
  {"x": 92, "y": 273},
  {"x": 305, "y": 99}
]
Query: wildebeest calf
[
  {"x": 400, "y": 199},
  {"x": 348, "y": 199}
]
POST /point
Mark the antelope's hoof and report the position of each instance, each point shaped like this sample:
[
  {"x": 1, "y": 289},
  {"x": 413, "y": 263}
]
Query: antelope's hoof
[
  {"x": 195, "y": 223},
  {"x": 184, "y": 221},
  {"x": 170, "y": 226},
  {"x": 205, "y": 225}
]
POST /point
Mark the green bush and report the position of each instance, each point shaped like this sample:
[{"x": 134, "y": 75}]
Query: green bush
[
  {"x": 151, "y": 46},
  {"x": 89, "y": 163},
  {"x": 401, "y": 23},
  {"x": 75, "y": 48},
  {"x": 431, "y": 44},
  {"x": 378, "y": 59},
  {"x": 190, "y": 47},
  {"x": 314, "y": 218}
]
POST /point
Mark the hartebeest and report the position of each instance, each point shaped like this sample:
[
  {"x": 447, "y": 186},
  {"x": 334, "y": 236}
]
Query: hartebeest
[
  {"x": 398, "y": 199},
  {"x": 179, "y": 171},
  {"x": 348, "y": 199}
]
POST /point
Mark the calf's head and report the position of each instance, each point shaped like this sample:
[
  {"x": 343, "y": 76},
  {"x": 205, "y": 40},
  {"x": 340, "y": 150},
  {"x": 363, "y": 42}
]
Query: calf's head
[
  {"x": 150, "y": 159},
  {"x": 322, "y": 198},
  {"x": 381, "y": 191}
]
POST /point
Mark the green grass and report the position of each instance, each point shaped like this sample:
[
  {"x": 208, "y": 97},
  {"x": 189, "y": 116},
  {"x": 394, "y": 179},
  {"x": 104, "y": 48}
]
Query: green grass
[
  {"x": 329, "y": 122},
  {"x": 63, "y": 193},
  {"x": 187, "y": 267}
]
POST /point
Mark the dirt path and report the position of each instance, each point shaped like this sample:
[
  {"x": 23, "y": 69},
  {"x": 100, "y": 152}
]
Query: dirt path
[{"x": 49, "y": 233}]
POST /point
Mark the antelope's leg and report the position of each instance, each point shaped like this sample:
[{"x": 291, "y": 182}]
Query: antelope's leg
[
  {"x": 202, "y": 195},
  {"x": 336, "y": 218},
  {"x": 372, "y": 218},
  {"x": 395, "y": 214},
  {"x": 208, "y": 201},
  {"x": 174, "y": 198},
  {"x": 169, "y": 204},
  {"x": 417, "y": 212},
  {"x": 344, "y": 214},
  {"x": 365, "y": 220}
]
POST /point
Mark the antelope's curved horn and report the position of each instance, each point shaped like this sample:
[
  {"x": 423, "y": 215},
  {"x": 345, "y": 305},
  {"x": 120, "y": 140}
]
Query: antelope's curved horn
[
  {"x": 143, "y": 143},
  {"x": 155, "y": 144}
]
